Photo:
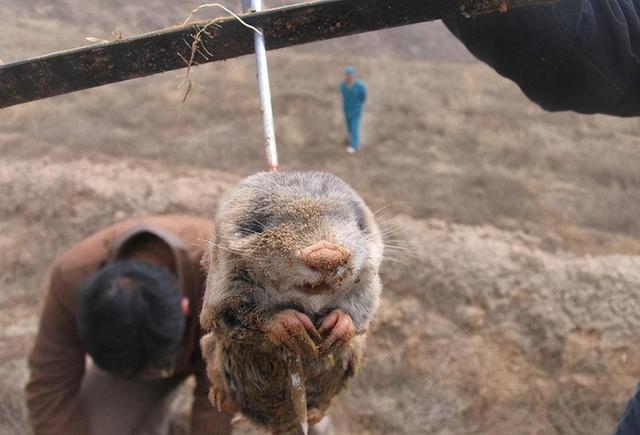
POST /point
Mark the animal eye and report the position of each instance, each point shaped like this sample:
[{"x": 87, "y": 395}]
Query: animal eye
[
  {"x": 362, "y": 225},
  {"x": 253, "y": 223},
  {"x": 230, "y": 318},
  {"x": 360, "y": 216},
  {"x": 249, "y": 228}
]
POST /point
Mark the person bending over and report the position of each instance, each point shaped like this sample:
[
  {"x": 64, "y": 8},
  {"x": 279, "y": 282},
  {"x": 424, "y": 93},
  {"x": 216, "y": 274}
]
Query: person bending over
[{"x": 127, "y": 297}]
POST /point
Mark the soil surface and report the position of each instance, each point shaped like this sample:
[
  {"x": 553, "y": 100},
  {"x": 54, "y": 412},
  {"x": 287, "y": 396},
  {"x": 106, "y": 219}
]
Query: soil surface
[{"x": 510, "y": 302}]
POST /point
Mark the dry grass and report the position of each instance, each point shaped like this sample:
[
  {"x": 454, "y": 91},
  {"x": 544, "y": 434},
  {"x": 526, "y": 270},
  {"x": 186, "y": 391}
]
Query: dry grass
[{"x": 459, "y": 144}]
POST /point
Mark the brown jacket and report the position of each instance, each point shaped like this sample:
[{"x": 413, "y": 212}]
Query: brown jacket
[{"x": 57, "y": 361}]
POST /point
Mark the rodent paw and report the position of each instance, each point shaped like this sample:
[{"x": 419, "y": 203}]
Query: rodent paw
[
  {"x": 314, "y": 415},
  {"x": 238, "y": 420},
  {"x": 219, "y": 397},
  {"x": 294, "y": 330},
  {"x": 337, "y": 329}
]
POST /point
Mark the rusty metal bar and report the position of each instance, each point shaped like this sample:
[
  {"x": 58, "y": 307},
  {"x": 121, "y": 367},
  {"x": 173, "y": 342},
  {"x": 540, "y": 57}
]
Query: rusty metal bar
[{"x": 226, "y": 38}]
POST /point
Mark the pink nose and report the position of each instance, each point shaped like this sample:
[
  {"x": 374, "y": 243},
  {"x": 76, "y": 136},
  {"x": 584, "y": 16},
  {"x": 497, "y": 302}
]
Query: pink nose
[{"x": 324, "y": 256}]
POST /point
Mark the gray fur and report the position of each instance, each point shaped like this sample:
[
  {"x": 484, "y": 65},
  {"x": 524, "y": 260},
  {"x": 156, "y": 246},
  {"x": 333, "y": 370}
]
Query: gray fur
[
  {"x": 255, "y": 273},
  {"x": 291, "y": 202}
]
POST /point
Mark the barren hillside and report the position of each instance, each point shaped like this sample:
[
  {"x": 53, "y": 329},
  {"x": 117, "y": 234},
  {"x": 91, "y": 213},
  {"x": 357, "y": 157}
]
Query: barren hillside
[{"x": 510, "y": 297}]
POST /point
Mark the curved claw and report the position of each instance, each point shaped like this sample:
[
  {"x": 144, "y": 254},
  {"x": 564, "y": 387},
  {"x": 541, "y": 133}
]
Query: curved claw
[
  {"x": 294, "y": 330},
  {"x": 315, "y": 415},
  {"x": 341, "y": 330},
  {"x": 238, "y": 420},
  {"x": 219, "y": 397}
]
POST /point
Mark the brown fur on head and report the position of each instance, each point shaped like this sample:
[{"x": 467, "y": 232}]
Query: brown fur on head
[{"x": 264, "y": 226}]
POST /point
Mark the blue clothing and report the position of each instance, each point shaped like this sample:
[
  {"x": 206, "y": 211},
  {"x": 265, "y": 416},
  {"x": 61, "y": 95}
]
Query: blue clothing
[
  {"x": 580, "y": 55},
  {"x": 353, "y": 126},
  {"x": 353, "y": 99},
  {"x": 630, "y": 421}
]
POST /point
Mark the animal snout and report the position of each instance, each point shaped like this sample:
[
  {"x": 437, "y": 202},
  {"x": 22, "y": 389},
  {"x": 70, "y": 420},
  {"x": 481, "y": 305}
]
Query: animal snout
[{"x": 324, "y": 256}]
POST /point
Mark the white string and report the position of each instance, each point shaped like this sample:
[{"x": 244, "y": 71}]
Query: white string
[{"x": 271, "y": 146}]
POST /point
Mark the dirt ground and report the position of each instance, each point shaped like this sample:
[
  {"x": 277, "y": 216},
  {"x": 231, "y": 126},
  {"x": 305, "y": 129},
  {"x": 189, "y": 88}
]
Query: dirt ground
[{"x": 510, "y": 302}]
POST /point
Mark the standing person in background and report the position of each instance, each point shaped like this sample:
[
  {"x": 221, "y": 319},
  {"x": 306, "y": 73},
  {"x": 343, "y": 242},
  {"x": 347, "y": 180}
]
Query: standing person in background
[{"x": 354, "y": 95}]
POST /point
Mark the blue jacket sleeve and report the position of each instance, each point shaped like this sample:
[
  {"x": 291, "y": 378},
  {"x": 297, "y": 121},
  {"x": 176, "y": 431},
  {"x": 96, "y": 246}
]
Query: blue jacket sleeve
[
  {"x": 579, "y": 55},
  {"x": 630, "y": 421}
]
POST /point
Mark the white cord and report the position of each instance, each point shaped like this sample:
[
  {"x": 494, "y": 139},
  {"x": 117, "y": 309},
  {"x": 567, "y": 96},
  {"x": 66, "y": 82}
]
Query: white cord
[{"x": 271, "y": 147}]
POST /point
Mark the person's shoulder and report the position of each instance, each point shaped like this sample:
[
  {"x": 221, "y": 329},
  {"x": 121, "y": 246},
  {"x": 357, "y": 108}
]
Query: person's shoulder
[
  {"x": 193, "y": 232},
  {"x": 180, "y": 231},
  {"x": 360, "y": 86},
  {"x": 91, "y": 251},
  {"x": 178, "y": 223},
  {"x": 84, "y": 258},
  {"x": 186, "y": 228}
]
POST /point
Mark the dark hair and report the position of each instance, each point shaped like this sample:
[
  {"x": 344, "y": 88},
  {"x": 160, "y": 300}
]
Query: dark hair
[{"x": 130, "y": 317}]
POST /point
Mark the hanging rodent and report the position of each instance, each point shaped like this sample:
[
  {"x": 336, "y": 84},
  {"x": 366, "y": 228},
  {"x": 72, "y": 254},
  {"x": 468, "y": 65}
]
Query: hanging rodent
[{"x": 293, "y": 282}]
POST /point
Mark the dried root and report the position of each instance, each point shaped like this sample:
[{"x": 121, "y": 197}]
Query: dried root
[{"x": 197, "y": 47}]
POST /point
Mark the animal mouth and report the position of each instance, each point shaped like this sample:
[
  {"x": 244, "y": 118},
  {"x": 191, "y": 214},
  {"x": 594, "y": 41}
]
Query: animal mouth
[{"x": 317, "y": 288}]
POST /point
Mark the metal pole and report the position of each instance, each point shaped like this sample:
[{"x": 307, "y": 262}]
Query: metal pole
[{"x": 271, "y": 148}]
